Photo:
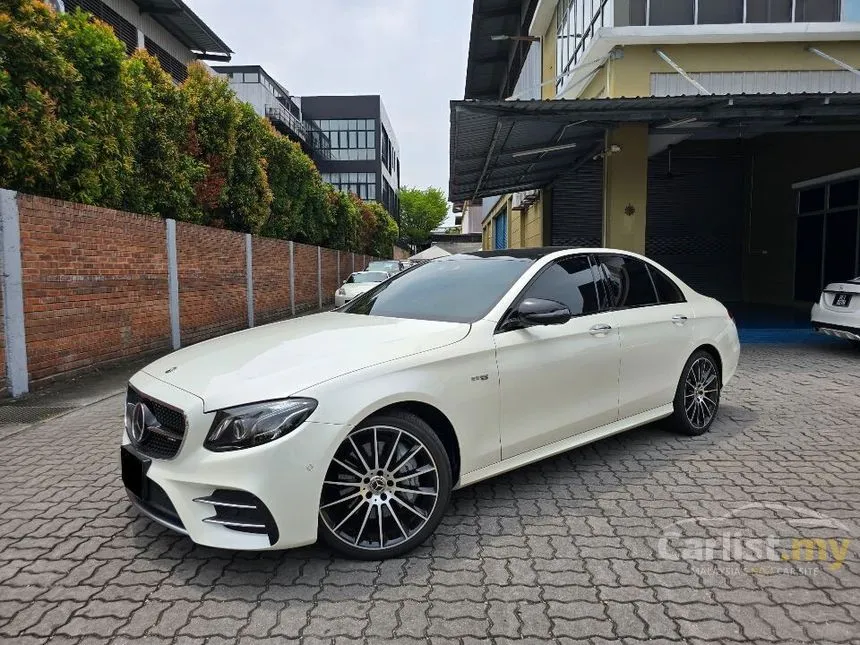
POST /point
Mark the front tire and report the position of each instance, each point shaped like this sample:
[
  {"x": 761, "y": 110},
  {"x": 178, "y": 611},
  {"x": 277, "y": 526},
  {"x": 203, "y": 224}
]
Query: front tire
[
  {"x": 386, "y": 488},
  {"x": 697, "y": 397}
]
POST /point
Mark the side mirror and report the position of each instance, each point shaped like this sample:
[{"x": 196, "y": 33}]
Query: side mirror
[{"x": 537, "y": 311}]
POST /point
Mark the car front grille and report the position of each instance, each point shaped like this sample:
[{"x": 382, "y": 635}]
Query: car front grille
[{"x": 163, "y": 443}]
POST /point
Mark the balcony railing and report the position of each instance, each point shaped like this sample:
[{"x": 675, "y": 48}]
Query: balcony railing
[{"x": 286, "y": 122}]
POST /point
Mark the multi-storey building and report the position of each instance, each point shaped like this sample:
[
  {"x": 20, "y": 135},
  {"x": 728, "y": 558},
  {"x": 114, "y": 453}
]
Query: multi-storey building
[
  {"x": 354, "y": 146},
  {"x": 167, "y": 29},
  {"x": 720, "y": 137},
  {"x": 269, "y": 99}
]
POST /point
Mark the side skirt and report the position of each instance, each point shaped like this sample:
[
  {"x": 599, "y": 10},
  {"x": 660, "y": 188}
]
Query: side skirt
[{"x": 564, "y": 445}]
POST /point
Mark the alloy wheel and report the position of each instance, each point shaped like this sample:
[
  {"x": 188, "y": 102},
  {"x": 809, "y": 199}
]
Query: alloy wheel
[
  {"x": 380, "y": 489},
  {"x": 701, "y": 392}
]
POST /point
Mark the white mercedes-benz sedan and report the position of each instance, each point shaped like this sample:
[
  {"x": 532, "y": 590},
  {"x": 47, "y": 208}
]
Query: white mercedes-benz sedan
[
  {"x": 837, "y": 312},
  {"x": 357, "y": 283},
  {"x": 355, "y": 425}
]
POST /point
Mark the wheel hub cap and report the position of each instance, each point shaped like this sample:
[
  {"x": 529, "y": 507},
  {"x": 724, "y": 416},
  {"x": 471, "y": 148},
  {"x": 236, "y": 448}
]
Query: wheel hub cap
[{"x": 377, "y": 484}]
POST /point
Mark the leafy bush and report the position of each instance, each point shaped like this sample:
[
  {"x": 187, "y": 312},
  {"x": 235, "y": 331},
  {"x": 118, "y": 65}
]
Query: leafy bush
[{"x": 80, "y": 121}]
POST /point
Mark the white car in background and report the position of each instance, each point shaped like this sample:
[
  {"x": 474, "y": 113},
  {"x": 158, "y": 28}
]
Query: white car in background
[
  {"x": 358, "y": 283},
  {"x": 355, "y": 425},
  {"x": 837, "y": 312},
  {"x": 389, "y": 266}
]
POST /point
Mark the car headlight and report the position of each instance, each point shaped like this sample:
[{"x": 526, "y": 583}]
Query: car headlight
[
  {"x": 341, "y": 292},
  {"x": 253, "y": 425}
]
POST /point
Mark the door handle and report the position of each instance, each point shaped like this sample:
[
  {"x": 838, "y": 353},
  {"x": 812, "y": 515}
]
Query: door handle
[
  {"x": 680, "y": 319},
  {"x": 600, "y": 329}
]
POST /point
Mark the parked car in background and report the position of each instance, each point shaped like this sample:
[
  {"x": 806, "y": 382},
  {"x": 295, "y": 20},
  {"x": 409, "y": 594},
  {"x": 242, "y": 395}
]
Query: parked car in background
[
  {"x": 358, "y": 283},
  {"x": 389, "y": 266},
  {"x": 356, "y": 424},
  {"x": 837, "y": 312}
]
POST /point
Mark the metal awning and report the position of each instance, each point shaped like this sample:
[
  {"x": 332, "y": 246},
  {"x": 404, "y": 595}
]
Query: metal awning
[
  {"x": 184, "y": 25},
  {"x": 510, "y": 146},
  {"x": 493, "y": 62}
]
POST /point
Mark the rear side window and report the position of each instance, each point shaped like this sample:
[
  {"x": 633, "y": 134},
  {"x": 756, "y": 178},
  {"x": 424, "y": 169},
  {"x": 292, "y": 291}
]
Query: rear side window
[
  {"x": 570, "y": 282},
  {"x": 626, "y": 281},
  {"x": 667, "y": 291}
]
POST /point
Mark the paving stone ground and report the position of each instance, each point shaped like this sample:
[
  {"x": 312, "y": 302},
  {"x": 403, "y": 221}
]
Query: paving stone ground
[{"x": 583, "y": 547}]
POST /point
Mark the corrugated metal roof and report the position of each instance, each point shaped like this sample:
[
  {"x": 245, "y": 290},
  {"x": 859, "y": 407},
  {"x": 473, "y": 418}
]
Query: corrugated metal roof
[
  {"x": 488, "y": 138},
  {"x": 186, "y": 26},
  {"x": 487, "y": 70}
]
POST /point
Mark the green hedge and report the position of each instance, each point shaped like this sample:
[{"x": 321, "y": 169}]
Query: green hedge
[{"x": 81, "y": 121}]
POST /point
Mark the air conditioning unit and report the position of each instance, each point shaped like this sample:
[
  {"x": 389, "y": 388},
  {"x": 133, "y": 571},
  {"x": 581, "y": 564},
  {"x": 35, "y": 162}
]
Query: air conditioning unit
[{"x": 521, "y": 201}]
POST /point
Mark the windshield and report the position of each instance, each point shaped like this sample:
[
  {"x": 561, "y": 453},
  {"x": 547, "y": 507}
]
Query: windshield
[
  {"x": 367, "y": 276},
  {"x": 384, "y": 266},
  {"x": 462, "y": 288}
]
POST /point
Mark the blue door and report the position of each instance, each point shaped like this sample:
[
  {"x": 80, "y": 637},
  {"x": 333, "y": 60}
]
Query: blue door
[{"x": 500, "y": 230}]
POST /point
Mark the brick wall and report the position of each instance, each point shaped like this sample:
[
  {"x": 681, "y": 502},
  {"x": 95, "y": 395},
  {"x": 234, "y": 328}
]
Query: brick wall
[
  {"x": 95, "y": 284},
  {"x": 212, "y": 279},
  {"x": 271, "y": 280}
]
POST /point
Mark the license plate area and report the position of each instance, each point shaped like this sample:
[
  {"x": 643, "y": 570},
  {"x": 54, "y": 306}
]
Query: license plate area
[
  {"x": 841, "y": 299},
  {"x": 134, "y": 470}
]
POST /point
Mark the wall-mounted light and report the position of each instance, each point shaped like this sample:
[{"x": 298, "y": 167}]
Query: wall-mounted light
[{"x": 530, "y": 39}]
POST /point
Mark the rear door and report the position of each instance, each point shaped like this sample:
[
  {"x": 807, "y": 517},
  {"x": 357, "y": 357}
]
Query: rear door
[
  {"x": 556, "y": 381},
  {"x": 655, "y": 327}
]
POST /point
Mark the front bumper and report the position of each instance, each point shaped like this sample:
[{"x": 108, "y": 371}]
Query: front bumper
[
  {"x": 339, "y": 300},
  {"x": 845, "y": 325},
  {"x": 285, "y": 475}
]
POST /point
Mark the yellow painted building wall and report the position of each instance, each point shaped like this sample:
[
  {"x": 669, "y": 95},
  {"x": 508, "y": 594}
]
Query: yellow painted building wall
[{"x": 630, "y": 76}]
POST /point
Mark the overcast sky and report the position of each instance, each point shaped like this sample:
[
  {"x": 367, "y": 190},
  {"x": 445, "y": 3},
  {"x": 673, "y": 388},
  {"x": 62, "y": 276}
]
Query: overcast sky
[{"x": 411, "y": 52}]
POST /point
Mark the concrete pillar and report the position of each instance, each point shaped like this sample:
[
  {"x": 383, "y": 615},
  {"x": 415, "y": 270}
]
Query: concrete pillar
[
  {"x": 249, "y": 277},
  {"x": 13, "y": 295},
  {"x": 625, "y": 188},
  {"x": 173, "y": 284}
]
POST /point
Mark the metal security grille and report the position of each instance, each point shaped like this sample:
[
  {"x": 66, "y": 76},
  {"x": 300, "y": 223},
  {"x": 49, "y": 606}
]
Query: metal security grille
[
  {"x": 123, "y": 29},
  {"x": 695, "y": 220},
  {"x": 168, "y": 63},
  {"x": 577, "y": 207},
  {"x": 500, "y": 231}
]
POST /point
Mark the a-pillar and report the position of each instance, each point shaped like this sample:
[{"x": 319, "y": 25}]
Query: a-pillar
[{"x": 625, "y": 188}]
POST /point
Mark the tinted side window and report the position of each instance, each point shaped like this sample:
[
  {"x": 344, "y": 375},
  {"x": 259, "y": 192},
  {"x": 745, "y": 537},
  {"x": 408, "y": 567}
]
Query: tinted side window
[
  {"x": 667, "y": 290},
  {"x": 569, "y": 282},
  {"x": 627, "y": 281}
]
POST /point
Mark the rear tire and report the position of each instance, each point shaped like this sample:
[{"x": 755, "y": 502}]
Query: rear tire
[
  {"x": 697, "y": 397},
  {"x": 386, "y": 488}
]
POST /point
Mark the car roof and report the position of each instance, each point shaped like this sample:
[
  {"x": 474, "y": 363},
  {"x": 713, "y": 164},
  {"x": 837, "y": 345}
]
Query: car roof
[{"x": 539, "y": 253}]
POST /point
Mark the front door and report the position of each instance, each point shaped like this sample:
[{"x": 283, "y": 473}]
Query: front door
[
  {"x": 655, "y": 326},
  {"x": 557, "y": 381}
]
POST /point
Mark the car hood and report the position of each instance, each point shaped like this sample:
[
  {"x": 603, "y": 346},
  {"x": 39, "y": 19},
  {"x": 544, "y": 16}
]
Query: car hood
[
  {"x": 359, "y": 287},
  {"x": 277, "y": 360}
]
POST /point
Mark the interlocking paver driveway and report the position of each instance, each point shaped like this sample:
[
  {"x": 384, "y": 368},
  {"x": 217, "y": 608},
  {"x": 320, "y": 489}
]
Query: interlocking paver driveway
[{"x": 565, "y": 550}]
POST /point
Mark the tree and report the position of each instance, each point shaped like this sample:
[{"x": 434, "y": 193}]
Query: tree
[
  {"x": 213, "y": 129},
  {"x": 421, "y": 211},
  {"x": 386, "y": 233},
  {"x": 302, "y": 208},
  {"x": 164, "y": 173},
  {"x": 63, "y": 122},
  {"x": 247, "y": 193}
]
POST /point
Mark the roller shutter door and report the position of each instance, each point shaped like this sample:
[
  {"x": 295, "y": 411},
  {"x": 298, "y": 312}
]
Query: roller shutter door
[
  {"x": 577, "y": 207},
  {"x": 695, "y": 220}
]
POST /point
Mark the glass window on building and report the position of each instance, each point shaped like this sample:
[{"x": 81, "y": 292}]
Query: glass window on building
[
  {"x": 720, "y": 12},
  {"x": 851, "y": 10},
  {"x": 672, "y": 12},
  {"x": 630, "y": 12},
  {"x": 769, "y": 10},
  {"x": 817, "y": 11}
]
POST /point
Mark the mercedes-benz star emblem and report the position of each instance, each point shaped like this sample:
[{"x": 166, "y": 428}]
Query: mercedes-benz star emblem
[{"x": 139, "y": 419}]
